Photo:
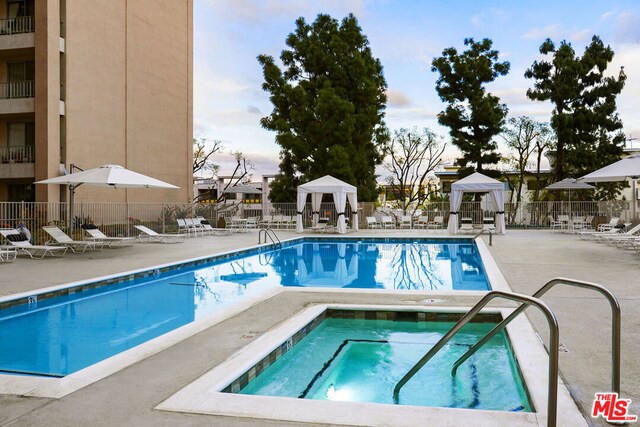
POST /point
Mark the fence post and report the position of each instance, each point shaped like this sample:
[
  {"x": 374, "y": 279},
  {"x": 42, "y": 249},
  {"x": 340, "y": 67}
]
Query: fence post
[{"x": 162, "y": 216}]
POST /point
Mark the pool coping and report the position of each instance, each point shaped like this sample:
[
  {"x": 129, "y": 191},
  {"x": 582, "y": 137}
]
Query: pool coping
[
  {"x": 205, "y": 396},
  {"x": 59, "y": 387}
]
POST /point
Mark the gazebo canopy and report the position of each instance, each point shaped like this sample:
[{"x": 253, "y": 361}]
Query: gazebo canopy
[
  {"x": 340, "y": 190},
  {"x": 477, "y": 183}
]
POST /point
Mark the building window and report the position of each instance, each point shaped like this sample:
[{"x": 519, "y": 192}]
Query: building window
[
  {"x": 21, "y": 134},
  {"x": 17, "y": 8},
  {"x": 22, "y": 193},
  {"x": 21, "y": 71}
]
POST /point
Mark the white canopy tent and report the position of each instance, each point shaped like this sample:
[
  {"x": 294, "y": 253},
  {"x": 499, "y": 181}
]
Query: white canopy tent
[
  {"x": 341, "y": 192},
  {"x": 477, "y": 183}
]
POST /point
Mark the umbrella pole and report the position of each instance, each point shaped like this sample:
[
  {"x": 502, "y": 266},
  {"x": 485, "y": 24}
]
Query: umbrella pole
[{"x": 634, "y": 202}]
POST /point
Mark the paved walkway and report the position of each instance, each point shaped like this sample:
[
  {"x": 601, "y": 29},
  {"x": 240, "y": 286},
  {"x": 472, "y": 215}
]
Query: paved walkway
[{"x": 526, "y": 258}]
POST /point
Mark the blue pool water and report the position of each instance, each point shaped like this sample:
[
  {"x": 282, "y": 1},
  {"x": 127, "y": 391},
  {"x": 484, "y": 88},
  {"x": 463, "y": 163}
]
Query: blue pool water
[
  {"x": 62, "y": 335},
  {"x": 362, "y": 361}
]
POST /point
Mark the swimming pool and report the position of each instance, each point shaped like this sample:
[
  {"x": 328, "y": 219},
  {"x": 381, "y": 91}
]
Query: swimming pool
[
  {"x": 66, "y": 332},
  {"x": 360, "y": 360}
]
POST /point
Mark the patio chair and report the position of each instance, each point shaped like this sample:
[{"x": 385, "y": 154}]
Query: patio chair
[
  {"x": 111, "y": 242},
  {"x": 438, "y": 222},
  {"x": 405, "y": 221},
  {"x": 252, "y": 223},
  {"x": 8, "y": 254},
  {"x": 602, "y": 228},
  {"x": 422, "y": 221},
  {"x": 372, "y": 222},
  {"x": 619, "y": 239},
  {"x": 388, "y": 222},
  {"x": 489, "y": 223},
  {"x": 321, "y": 226},
  {"x": 466, "y": 225},
  {"x": 153, "y": 237},
  {"x": 22, "y": 244},
  {"x": 553, "y": 224},
  {"x": 60, "y": 238},
  {"x": 264, "y": 222}
]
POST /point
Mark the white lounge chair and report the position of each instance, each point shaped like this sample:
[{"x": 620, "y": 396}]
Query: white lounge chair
[
  {"x": 151, "y": 236},
  {"x": 602, "y": 228},
  {"x": 8, "y": 254},
  {"x": 489, "y": 223},
  {"x": 96, "y": 235},
  {"x": 321, "y": 226},
  {"x": 553, "y": 224},
  {"x": 437, "y": 223},
  {"x": 372, "y": 222},
  {"x": 405, "y": 221},
  {"x": 620, "y": 239},
  {"x": 388, "y": 222},
  {"x": 60, "y": 238},
  {"x": 22, "y": 244},
  {"x": 466, "y": 226}
]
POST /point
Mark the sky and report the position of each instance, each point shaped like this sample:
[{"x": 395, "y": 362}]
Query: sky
[{"x": 405, "y": 35}]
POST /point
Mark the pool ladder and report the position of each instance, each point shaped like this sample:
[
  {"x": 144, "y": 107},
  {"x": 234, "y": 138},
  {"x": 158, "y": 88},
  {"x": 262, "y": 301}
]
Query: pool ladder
[
  {"x": 485, "y": 231},
  {"x": 526, "y": 301},
  {"x": 268, "y": 232}
]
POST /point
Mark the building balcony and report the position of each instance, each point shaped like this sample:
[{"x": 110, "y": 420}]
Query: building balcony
[
  {"x": 17, "y": 33},
  {"x": 17, "y": 97},
  {"x": 17, "y": 162}
]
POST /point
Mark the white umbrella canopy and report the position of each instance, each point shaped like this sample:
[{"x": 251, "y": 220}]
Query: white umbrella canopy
[
  {"x": 109, "y": 176},
  {"x": 629, "y": 167},
  {"x": 569, "y": 184}
]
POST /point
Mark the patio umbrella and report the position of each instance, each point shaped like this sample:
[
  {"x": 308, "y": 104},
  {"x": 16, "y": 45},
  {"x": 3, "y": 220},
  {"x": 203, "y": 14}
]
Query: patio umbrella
[
  {"x": 629, "y": 167},
  {"x": 570, "y": 184},
  {"x": 114, "y": 176}
]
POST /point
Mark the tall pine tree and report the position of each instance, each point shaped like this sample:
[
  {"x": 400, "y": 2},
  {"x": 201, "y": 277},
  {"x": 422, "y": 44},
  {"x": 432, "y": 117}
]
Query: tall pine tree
[
  {"x": 588, "y": 129},
  {"x": 328, "y": 107},
  {"x": 474, "y": 116}
]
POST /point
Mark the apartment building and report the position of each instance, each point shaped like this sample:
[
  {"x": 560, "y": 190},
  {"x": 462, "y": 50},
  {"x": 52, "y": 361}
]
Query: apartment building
[{"x": 91, "y": 83}]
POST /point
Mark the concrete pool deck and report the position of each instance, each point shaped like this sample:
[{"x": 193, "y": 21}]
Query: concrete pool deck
[{"x": 527, "y": 259}]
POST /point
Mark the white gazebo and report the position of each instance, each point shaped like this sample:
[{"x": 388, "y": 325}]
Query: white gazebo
[
  {"x": 477, "y": 183},
  {"x": 340, "y": 190}
]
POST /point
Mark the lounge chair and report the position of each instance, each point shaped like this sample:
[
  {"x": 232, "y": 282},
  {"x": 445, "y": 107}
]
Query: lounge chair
[
  {"x": 152, "y": 237},
  {"x": 437, "y": 223},
  {"x": 405, "y": 221},
  {"x": 8, "y": 254},
  {"x": 422, "y": 221},
  {"x": 602, "y": 228},
  {"x": 22, "y": 244},
  {"x": 489, "y": 223},
  {"x": 321, "y": 226},
  {"x": 111, "y": 242},
  {"x": 620, "y": 239},
  {"x": 388, "y": 222},
  {"x": 60, "y": 238},
  {"x": 466, "y": 226},
  {"x": 372, "y": 222}
]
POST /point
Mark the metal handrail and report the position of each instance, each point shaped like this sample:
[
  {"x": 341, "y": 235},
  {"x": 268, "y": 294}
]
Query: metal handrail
[
  {"x": 554, "y": 343},
  {"x": 615, "y": 326},
  {"x": 272, "y": 236},
  {"x": 490, "y": 236}
]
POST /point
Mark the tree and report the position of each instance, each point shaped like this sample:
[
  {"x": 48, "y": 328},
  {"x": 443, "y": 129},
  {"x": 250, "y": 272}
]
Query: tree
[
  {"x": 473, "y": 115},
  {"x": 203, "y": 150},
  {"x": 328, "y": 106},
  {"x": 584, "y": 118},
  {"x": 412, "y": 156}
]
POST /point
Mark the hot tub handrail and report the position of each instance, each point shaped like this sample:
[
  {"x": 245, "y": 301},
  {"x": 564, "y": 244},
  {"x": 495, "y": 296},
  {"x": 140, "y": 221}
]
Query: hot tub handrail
[
  {"x": 615, "y": 325},
  {"x": 554, "y": 343}
]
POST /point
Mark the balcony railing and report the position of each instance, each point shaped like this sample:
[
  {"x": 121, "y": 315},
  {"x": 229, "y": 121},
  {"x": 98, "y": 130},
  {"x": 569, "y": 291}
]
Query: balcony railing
[
  {"x": 19, "y": 25},
  {"x": 13, "y": 90},
  {"x": 17, "y": 154}
]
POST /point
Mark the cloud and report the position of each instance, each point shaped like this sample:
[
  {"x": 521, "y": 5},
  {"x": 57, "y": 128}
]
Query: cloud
[
  {"x": 252, "y": 109},
  {"x": 397, "y": 98},
  {"x": 581, "y": 35},
  {"x": 550, "y": 31},
  {"x": 608, "y": 14},
  {"x": 476, "y": 20},
  {"x": 628, "y": 28}
]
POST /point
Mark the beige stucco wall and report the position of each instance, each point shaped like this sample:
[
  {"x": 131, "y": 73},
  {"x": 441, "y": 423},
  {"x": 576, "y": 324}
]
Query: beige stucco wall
[{"x": 129, "y": 92}]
